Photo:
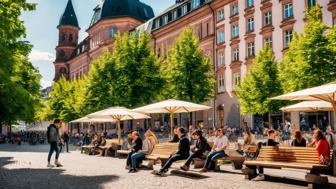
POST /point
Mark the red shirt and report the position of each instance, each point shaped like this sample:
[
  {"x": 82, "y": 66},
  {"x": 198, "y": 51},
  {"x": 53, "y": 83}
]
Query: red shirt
[{"x": 322, "y": 148}]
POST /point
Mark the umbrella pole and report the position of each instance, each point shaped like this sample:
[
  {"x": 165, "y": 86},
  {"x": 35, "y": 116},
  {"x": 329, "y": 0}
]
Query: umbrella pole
[
  {"x": 171, "y": 125},
  {"x": 119, "y": 132}
]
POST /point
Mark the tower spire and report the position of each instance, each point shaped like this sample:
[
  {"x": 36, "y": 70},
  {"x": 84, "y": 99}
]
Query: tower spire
[{"x": 69, "y": 16}]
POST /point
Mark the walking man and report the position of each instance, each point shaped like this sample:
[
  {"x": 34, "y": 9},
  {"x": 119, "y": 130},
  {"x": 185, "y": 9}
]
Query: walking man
[
  {"x": 66, "y": 141},
  {"x": 54, "y": 139}
]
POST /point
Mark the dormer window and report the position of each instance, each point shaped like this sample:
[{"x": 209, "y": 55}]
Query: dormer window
[
  {"x": 174, "y": 14},
  {"x": 112, "y": 32},
  {"x": 70, "y": 38},
  {"x": 184, "y": 10},
  {"x": 165, "y": 19},
  {"x": 157, "y": 23},
  {"x": 195, "y": 3}
]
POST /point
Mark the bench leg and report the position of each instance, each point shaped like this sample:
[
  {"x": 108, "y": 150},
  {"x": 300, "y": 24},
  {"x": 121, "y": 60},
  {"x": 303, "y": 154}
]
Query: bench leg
[
  {"x": 217, "y": 166},
  {"x": 315, "y": 179}
]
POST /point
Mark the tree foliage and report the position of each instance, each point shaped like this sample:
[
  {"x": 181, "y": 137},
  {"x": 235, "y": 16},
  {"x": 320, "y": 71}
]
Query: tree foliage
[
  {"x": 19, "y": 80},
  {"x": 188, "y": 72},
  {"x": 260, "y": 83},
  {"x": 311, "y": 57}
]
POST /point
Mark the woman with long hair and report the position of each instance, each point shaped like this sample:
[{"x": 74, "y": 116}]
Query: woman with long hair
[
  {"x": 298, "y": 139},
  {"x": 322, "y": 147}
]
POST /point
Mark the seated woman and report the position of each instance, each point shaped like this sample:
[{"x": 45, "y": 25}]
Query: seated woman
[
  {"x": 137, "y": 141},
  {"x": 198, "y": 150},
  {"x": 298, "y": 140},
  {"x": 100, "y": 141},
  {"x": 147, "y": 148},
  {"x": 322, "y": 147},
  {"x": 219, "y": 150},
  {"x": 249, "y": 139}
]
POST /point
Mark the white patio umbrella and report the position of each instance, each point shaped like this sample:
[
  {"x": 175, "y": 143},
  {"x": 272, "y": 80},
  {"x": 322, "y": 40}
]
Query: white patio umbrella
[
  {"x": 89, "y": 120},
  {"x": 325, "y": 93},
  {"x": 308, "y": 106},
  {"x": 171, "y": 106},
  {"x": 117, "y": 114}
]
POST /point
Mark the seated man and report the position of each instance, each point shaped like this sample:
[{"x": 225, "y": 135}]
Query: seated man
[
  {"x": 219, "y": 150},
  {"x": 181, "y": 153},
  {"x": 137, "y": 141},
  {"x": 270, "y": 142},
  {"x": 175, "y": 138},
  {"x": 198, "y": 150}
]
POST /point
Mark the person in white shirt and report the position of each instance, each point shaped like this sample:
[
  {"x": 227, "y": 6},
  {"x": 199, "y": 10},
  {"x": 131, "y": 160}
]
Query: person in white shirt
[{"x": 219, "y": 150}]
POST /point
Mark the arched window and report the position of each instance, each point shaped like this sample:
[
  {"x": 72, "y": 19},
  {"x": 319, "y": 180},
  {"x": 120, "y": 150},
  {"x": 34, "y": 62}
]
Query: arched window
[
  {"x": 63, "y": 71},
  {"x": 70, "y": 38},
  {"x": 63, "y": 36},
  {"x": 61, "y": 55}
]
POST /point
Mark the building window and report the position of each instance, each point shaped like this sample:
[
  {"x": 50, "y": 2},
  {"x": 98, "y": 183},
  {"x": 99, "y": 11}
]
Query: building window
[
  {"x": 234, "y": 10},
  {"x": 70, "y": 38},
  {"x": 184, "y": 10},
  {"x": 268, "y": 42},
  {"x": 250, "y": 49},
  {"x": 112, "y": 32},
  {"x": 195, "y": 3},
  {"x": 159, "y": 52},
  {"x": 288, "y": 10},
  {"x": 157, "y": 23},
  {"x": 63, "y": 37},
  {"x": 221, "y": 58},
  {"x": 288, "y": 37},
  {"x": 311, "y": 3},
  {"x": 236, "y": 54},
  {"x": 236, "y": 79},
  {"x": 221, "y": 83},
  {"x": 220, "y": 15},
  {"x": 174, "y": 14},
  {"x": 250, "y": 24},
  {"x": 165, "y": 19},
  {"x": 235, "y": 31},
  {"x": 268, "y": 18},
  {"x": 249, "y": 3},
  {"x": 221, "y": 36}
]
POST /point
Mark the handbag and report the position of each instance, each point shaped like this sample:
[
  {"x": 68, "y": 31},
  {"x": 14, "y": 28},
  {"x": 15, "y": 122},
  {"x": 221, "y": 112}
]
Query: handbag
[{"x": 324, "y": 160}]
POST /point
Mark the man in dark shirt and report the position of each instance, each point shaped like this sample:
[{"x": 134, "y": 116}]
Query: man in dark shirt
[
  {"x": 181, "y": 153},
  {"x": 66, "y": 140},
  {"x": 53, "y": 139}
]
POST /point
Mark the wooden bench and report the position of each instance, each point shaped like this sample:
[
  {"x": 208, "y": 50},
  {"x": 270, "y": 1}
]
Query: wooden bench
[
  {"x": 103, "y": 150},
  {"x": 236, "y": 158},
  {"x": 292, "y": 157}
]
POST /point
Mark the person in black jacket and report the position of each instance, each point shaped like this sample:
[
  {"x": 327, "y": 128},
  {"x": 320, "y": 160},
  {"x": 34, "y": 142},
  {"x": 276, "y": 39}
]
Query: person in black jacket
[
  {"x": 53, "y": 139},
  {"x": 181, "y": 153},
  {"x": 66, "y": 140},
  {"x": 136, "y": 147},
  {"x": 198, "y": 151}
]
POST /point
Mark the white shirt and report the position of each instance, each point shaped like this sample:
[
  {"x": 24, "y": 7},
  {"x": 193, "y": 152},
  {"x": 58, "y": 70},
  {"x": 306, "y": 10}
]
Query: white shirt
[{"x": 220, "y": 142}]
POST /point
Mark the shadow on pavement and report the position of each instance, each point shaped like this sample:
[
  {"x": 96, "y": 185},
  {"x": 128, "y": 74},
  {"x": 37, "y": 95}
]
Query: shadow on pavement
[
  {"x": 27, "y": 148},
  {"x": 296, "y": 182},
  {"x": 46, "y": 178}
]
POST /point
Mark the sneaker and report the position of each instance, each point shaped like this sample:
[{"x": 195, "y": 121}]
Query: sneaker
[
  {"x": 184, "y": 168},
  {"x": 132, "y": 171},
  {"x": 204, "y": 170},
  {"x": 58, "y": 164},
  {"x": 260, "y": 177},
  {"x": 50, "y": 166}
]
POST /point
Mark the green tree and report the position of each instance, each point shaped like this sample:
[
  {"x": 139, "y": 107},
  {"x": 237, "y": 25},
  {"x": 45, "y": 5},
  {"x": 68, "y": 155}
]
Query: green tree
[
  {"x": 310, "y": 59},
  {"x": 129, "y": 76},
  {"x": 188, "y": 71},
  {"x": 19, "y": 80},
  {"x": 260, "y": 83}
]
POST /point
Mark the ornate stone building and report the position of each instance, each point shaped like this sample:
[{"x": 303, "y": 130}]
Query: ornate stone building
[{"x": 231, "y": 32}]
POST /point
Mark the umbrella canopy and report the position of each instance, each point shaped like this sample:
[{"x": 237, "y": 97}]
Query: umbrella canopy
[
  {"x": 172, "y": 106},
  {"x": 308, "y": 106},
  {"x": 117, "y": 114},
  {"x": 88, "y": 120},
  {"x": 325, "y": 93}
]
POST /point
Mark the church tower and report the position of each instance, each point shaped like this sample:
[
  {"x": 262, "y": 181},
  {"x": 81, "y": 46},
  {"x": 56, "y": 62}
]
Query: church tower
[{"x": 67, "y": 41}]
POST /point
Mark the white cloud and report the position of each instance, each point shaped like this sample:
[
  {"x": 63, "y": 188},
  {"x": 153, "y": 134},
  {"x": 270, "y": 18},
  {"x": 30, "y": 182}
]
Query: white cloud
[
  {"x": 37, "y": 55},
  {"x": 45, "y": 83}
]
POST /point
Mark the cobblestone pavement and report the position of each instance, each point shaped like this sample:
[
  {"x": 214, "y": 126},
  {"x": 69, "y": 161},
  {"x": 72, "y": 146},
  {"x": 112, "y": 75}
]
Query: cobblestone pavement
[{"x": 25, "y": 167}]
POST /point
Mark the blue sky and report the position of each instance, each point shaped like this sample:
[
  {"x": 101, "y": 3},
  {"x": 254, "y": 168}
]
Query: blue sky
[{"x": 43, "y": 34}]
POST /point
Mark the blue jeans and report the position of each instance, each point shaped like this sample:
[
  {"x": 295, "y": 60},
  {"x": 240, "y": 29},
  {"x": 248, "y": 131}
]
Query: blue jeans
[
  {"x": 136, "y": 158},
  {"x": 191, "y": 157},
  {"x": 213, "y": 156},
  {"x": 53, "y": 147}
]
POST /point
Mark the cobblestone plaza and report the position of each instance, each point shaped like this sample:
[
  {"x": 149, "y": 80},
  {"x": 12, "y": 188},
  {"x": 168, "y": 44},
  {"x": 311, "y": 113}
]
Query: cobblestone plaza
[{"x": 25, "y": 167}]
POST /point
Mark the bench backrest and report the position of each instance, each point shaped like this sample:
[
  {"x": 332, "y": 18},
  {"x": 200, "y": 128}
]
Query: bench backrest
[
  {"x": 111, "y": 142},
  {"x": 302, "y": 155},
  {"x": 165, "y": 148}
]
